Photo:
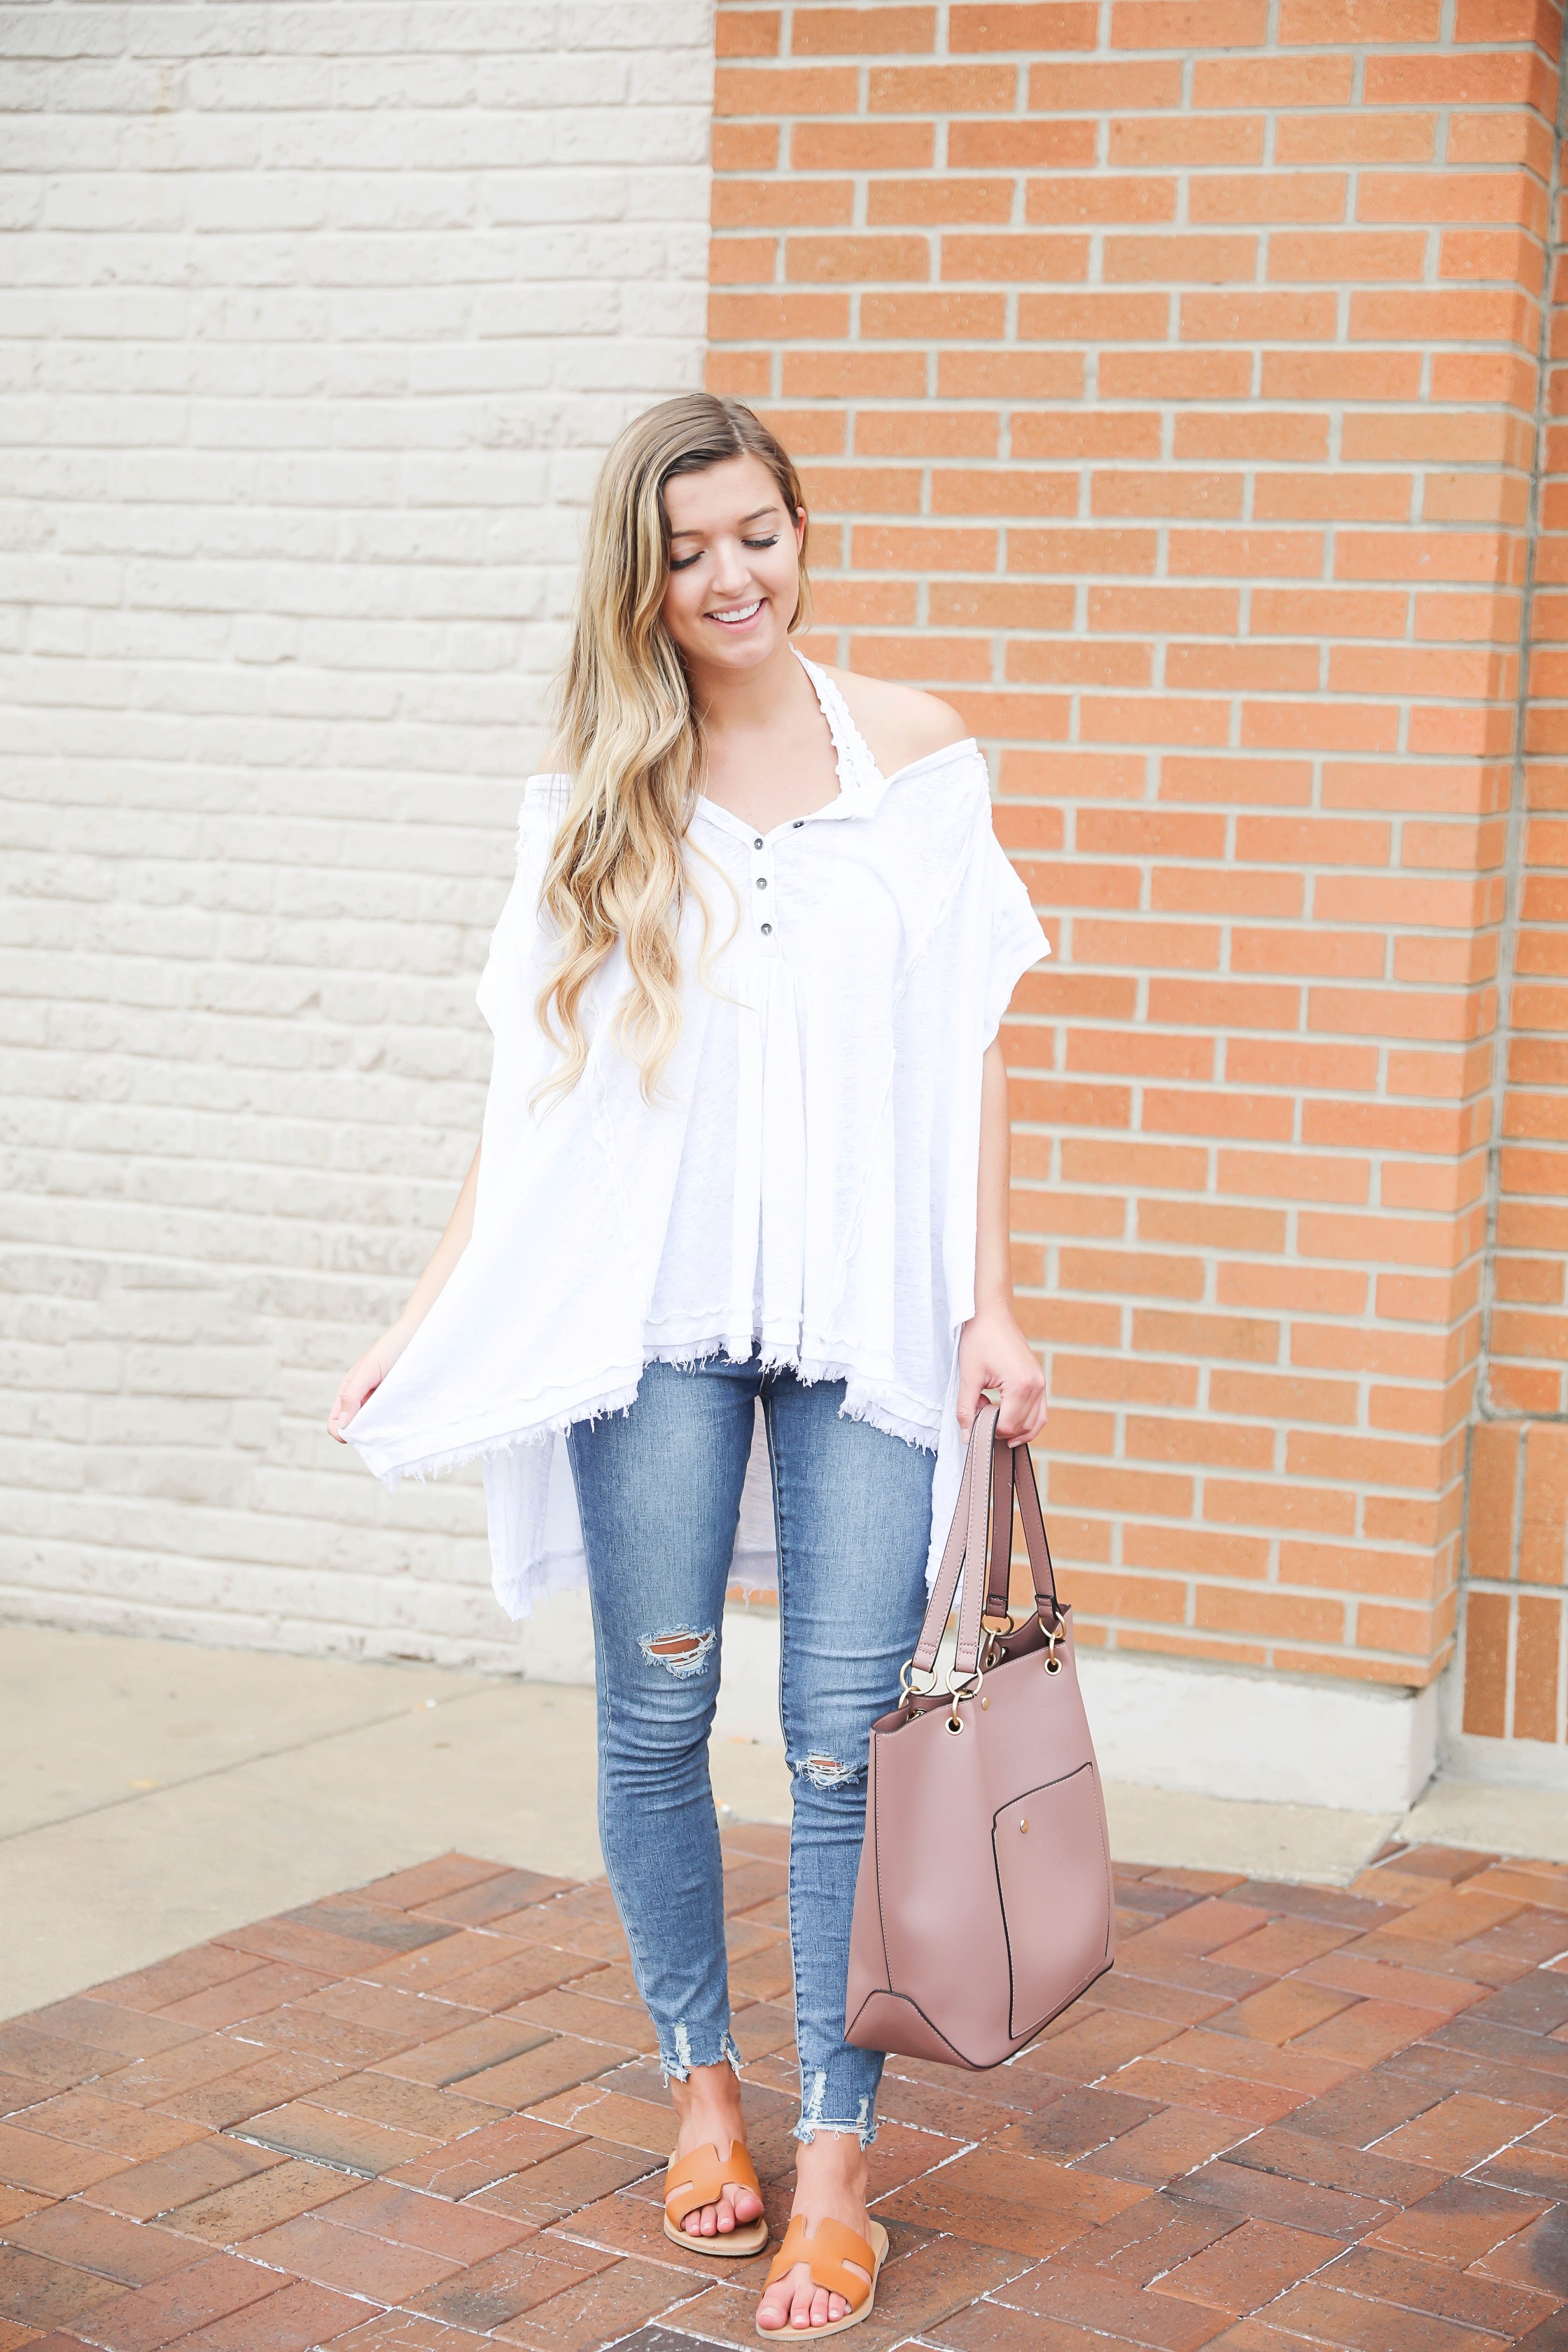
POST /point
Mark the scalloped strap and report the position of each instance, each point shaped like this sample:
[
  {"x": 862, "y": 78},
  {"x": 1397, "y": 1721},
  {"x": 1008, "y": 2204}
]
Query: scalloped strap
[
  {"x": 858, "y": 770},
  {"x": 825, "y": 2253},
  {"x": 701, "y": 2176}
]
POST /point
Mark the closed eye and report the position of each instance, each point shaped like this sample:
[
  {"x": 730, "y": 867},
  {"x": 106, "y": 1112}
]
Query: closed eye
[{"x": 684, "y": 562}]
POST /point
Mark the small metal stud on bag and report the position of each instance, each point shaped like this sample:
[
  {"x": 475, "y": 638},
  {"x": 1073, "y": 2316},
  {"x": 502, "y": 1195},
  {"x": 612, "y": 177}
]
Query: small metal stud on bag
[{"x": 983, "y": 1905}]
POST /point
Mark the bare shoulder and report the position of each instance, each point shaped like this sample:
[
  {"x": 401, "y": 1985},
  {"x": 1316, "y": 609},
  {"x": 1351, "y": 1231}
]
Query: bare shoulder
[{"x": 899, "y": 723}]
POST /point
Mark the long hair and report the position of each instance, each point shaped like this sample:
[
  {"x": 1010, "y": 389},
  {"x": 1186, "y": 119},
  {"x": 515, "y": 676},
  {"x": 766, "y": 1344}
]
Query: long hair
[{"x": 629, "y": 737}]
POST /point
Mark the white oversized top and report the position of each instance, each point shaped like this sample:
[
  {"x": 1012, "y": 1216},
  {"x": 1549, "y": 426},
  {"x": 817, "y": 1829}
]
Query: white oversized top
[{"x": 806, "y": 1177}]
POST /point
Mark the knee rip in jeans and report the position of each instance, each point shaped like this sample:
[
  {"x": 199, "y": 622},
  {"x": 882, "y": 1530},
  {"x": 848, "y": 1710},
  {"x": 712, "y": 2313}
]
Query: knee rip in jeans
[
  {"x": 826, "y": 1772},
  {"x": 682, "y": 1653}
]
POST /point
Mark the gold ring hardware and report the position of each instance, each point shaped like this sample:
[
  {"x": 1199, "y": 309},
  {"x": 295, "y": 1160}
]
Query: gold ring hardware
[
  {"x": 1053, "y": 1634},
  {"x": 993, "y": 1637},
  {"x": 907, "y": 1673},
  {"x": 1053, "y": 1666},
  {"x": 960, "y": 1687}
]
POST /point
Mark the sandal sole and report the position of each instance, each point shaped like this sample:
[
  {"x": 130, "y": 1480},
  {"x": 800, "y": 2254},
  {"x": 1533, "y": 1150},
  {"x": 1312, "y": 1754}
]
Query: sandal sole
[{"x": 749, "y": 2239}]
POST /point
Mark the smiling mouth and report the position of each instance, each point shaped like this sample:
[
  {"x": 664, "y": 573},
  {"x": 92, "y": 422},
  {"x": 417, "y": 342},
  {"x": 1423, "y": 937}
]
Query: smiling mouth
[{"x": 736, "y": 613}]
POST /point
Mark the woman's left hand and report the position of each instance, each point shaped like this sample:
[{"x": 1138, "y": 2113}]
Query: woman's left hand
[{"x": 992, "y": 1353}]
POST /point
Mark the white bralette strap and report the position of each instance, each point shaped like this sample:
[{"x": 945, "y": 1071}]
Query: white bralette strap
[{"x": 858, "y": 770}]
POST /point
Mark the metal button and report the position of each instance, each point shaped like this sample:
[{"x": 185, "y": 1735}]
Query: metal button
[
  {"x": 758, "y": 843},
  {"x": 762, "y": 882},
  {"x": 1023, "y": 1825},
  {"x": 799, "y": 822},
  {"x": 766, "y": 929}
]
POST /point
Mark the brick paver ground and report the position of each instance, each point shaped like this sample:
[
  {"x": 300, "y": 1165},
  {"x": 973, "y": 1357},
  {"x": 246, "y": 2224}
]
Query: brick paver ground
[{"x": 422, "y": 2115}]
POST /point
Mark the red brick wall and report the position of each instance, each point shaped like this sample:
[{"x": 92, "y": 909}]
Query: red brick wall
[
  {"x": 1167, "y": 390},
  {"x": 1516, "y": 1670}
]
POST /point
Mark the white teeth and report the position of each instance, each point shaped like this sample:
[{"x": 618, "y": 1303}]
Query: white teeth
[{"x": 739, "y": 612}]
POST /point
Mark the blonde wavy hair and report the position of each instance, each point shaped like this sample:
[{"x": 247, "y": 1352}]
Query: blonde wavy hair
[{"x": 629, "y": 738}]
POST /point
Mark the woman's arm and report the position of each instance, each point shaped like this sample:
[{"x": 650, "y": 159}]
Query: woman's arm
[
  {"x": 377, "y": 1361},
  {"x": 992, "y": 1353}
]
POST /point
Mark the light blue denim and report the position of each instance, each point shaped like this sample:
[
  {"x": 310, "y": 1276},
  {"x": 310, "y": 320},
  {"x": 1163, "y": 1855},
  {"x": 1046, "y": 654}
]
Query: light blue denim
[{"x": 658, "y": 1490}]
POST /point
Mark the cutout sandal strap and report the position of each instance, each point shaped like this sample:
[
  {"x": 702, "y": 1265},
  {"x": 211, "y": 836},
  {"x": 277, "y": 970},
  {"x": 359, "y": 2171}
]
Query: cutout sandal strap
[
  {"x": 701, "y": 2176},
  {"x": 825, "y": 2252}
]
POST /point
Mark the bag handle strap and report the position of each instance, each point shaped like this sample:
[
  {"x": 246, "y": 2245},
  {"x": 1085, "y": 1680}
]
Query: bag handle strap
[
  {"x": 965, "y": 1540},
  {"x": 1020, "y": 1472},
  {"x": 999, "y": 1572},
  {"x": 979, "y": 1547}
]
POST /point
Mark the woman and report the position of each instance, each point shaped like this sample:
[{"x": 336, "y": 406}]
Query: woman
[{"x": 746, "y": 1141}]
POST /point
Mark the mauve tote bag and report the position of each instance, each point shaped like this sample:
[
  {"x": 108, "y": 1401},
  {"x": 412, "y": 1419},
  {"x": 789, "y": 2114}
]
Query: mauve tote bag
[{"x": 983, "y": 1903}]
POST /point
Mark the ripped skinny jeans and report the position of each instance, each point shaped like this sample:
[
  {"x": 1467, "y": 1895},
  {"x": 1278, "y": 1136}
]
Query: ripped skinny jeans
[{"x": 658, "y": 1492}]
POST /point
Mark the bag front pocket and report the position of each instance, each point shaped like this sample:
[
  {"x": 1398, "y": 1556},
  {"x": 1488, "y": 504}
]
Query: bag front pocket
[{"x": 1053, "y": 1873}]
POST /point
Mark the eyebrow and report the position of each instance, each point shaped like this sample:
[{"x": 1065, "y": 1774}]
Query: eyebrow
[{"x": 755, "y": 515}]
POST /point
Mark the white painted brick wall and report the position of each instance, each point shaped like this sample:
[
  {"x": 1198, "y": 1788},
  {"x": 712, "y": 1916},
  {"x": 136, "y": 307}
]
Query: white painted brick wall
[{"x": 315, "y": 321}]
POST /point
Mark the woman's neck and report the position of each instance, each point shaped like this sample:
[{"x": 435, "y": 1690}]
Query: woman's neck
[
  {"x": 740, "y": 703},
  {"x": 769, "y": 754}
]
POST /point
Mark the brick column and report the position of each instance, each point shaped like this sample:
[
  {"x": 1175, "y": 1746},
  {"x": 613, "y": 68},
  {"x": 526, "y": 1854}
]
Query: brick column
[{"x": 1516, "y": 1622}]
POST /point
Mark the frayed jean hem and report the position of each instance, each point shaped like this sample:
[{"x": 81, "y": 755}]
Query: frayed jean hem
[
  {"x": 813, "y": 2096},
  {"x": 806, "y": 2131},
  {"x": 675, "y": 2067}
]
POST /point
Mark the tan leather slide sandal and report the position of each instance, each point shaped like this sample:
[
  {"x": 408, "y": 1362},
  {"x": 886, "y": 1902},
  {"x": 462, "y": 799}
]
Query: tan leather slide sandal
[
  {"x": 700, "y": 2177},
  {"x": 827, "y": 2253}
]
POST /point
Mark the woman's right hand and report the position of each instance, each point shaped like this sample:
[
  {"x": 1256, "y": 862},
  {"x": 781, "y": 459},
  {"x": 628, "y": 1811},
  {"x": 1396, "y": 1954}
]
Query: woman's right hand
[
  {"x": 376, "y": 1362},
  {"x": 364, "y": 1379}
]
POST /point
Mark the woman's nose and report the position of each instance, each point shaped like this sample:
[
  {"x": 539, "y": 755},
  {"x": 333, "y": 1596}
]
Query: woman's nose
[{"x": 732, "y": 572}]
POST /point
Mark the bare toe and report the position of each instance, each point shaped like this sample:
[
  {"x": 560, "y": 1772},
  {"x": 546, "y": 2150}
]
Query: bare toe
[{"x": 774, "y": 2307}]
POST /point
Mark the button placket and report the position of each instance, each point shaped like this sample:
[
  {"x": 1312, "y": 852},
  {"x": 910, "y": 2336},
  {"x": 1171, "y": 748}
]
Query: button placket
[{"x": 763, "y": 893}]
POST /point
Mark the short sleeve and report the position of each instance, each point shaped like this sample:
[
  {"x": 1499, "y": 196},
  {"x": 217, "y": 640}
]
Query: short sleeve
[
  {"x": 1017, "y": 939},
  {"x": 514, "y": 957}
]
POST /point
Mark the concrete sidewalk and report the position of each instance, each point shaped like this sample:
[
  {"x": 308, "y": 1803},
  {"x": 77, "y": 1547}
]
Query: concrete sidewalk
[{"x": 153, "y": 1793}]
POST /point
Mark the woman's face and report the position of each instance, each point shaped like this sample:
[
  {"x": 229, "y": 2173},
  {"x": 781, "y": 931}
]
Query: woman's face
[{"x": 734, "y": 564}]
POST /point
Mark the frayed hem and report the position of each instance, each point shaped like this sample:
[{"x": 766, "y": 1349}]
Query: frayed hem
[
  {"x": 679, "y": 2068},
  {"x": 866, "y": 1394},
  {"x": 695, "y": 1356},
  {"x": 805, "y": 2133},
  {"x": 486, "y": 1449},
  {"x": 813, "y": 2120}
]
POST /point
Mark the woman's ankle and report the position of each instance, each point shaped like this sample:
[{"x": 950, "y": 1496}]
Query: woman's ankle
[
  {"x": 709, "y": 2099},
  {"x": 833, "y": 2161}
]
